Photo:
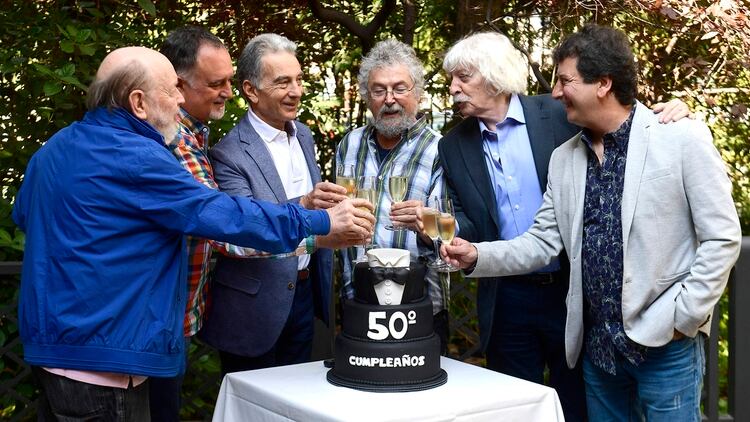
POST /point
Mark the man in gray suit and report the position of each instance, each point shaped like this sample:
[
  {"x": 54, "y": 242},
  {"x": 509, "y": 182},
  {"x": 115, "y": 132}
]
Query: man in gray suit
[
  {"x": 646, "y": 216},
  {"x": 262, "y": 310}
]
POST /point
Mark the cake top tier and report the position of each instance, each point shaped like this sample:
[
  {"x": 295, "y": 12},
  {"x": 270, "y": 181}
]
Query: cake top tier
[{"x": 388, "y": 285}]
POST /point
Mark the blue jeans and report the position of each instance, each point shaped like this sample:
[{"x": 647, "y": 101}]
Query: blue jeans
[
  {"x": 64, "y": 399},
  {"x": 665, "y": 387}
]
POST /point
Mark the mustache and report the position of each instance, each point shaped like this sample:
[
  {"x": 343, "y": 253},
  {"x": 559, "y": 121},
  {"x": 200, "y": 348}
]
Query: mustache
[
  {"x": 461, "y": 98},
  {"x": 393, "y": 108}
]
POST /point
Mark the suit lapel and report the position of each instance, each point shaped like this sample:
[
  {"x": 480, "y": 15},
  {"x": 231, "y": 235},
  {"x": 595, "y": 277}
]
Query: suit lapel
[
  {"x": 637, "y": 149},
  {"x": 308, "y": 149},
  {"x": 540, "y": 130},
  {"x": 580, "y": 165},
  {"x": 255, "y": 147},
  {"x": 473, "y": 155}
]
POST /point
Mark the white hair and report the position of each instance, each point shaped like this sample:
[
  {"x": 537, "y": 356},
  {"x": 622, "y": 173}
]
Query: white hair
[{"x": 502, "y": 66}]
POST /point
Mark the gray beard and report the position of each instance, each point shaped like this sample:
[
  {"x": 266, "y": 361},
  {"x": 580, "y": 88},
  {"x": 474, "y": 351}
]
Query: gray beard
[{"x": 395, "y": 127}]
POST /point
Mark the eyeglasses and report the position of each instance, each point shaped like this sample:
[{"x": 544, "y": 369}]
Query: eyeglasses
[{"x": 397, "y": 92}]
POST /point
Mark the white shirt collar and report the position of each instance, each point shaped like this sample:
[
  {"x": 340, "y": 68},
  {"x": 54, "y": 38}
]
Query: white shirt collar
[{"x": 267, "y": 132}]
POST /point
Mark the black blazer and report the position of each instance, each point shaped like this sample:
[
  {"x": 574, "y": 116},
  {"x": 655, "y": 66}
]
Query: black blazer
[{"x": 470, "y": 187}]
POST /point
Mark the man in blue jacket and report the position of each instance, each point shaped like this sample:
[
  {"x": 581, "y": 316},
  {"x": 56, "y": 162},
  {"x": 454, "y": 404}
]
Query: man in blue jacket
[{"x": 105, "y": 206}]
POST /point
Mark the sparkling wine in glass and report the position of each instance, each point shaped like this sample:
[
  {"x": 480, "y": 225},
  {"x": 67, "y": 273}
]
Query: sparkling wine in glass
[
  {"x": 439, "y": 223},
  {"x": 397, "y": 185},
  {"x": 446, "y": 228},
  {"x": 367, "y": 188},
  {"x": 345, "y": 177}
]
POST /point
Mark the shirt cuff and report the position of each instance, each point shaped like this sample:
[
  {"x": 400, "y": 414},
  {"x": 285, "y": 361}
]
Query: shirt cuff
[{"x": 320, "y": 223}]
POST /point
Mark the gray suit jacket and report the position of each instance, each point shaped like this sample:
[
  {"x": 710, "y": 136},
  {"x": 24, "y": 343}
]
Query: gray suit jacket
[
  {"x": 251, "y": 298},
  {"x": 681, "y": 234}
]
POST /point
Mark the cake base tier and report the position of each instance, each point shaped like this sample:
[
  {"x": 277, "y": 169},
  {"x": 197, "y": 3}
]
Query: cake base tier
[
  {"x": 402, "y": 387},
  {"x": 387, "y": 365}
]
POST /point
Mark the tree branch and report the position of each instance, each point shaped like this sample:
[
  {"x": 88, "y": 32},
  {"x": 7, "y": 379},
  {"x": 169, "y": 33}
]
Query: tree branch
[
  {"x": 534, "y": 65},
  {"x": 410, "y": 19},
  {"x": 366, "y": 33}
]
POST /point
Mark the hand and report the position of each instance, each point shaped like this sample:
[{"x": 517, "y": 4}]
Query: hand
[
  {"x": 460, "y": 253},
  {"x": 325, "y": 195},
  {"x": 339, "y": 241},
  {"x": 351, "y": 222},
  {"x": 407, "y": 214},
  {"x": 672, "y": 111}
]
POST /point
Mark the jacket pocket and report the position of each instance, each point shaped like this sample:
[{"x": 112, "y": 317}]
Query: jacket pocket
[
  {"x": 656, "y": 173},
  {"x": 669, "y": 281},
  {"x": 663, "y": 285},
  {"x": 238, "y": 274}
]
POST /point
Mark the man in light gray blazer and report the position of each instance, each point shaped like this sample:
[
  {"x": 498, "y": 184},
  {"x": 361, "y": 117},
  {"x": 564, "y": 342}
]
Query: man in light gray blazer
[
  {"x": 261, "y": 313},
  {"x": 646, "y": 216}
]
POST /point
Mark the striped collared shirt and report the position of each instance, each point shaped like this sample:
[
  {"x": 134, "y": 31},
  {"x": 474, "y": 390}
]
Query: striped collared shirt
[{"x": 417, "y": 157}]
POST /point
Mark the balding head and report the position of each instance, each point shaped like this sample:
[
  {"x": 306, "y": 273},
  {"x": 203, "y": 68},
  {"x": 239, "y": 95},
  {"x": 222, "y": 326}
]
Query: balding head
[
  {"x": 141, "y": 81},
  {"x": 121, "y": 72}
]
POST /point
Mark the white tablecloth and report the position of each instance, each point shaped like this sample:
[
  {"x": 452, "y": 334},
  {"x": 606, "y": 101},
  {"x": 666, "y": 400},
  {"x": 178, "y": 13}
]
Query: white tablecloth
[{"x": 301, "y": 393}]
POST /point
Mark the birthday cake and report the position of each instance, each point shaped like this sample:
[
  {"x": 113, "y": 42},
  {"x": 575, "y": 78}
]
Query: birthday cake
[{"x": 387, "y": 342}]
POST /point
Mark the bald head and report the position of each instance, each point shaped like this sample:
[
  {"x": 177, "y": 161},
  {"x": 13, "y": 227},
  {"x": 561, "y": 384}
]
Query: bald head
[
  {"x": 121, "y": 72},
  {"x": 121, "y": 57},
  {"x": 141, "y": 81}
]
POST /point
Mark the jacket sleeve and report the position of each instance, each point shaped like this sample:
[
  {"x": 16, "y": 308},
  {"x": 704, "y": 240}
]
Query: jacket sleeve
[
  {"x": 528, "y": 252},
  {"x": 717, "y": 229},
  {"x": 170, "y": 196}
]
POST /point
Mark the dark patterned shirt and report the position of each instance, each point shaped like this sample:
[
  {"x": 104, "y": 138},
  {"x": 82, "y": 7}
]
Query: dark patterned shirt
[{"x": 602, "y": 252}]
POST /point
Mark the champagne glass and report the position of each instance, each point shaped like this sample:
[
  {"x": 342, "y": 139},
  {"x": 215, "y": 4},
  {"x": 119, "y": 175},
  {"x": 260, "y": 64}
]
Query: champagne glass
[
  {"x": 397, "y": 185},
  {"x": 367, "y": 188},
  {"x": 430, "y": 217},
  {"x": 446, "y": 228},
  {"x": 345, "y": 177}
]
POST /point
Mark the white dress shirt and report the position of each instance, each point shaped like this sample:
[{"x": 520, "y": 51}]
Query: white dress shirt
[{"x": 289, "y": 160}]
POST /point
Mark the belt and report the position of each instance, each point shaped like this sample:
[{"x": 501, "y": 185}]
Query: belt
[
  {"x": 541, "y": 279},
  {"x": 303, "y": 274}
]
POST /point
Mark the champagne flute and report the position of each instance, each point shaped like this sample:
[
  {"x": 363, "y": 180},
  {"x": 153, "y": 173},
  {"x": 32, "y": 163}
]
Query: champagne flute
[
  {"x": 430, "y": 217},
  {"x": 446, "y": 228},
  {"x": 367, "y": 188},
  {"x": 397, "y": 185},
  {"x": 345, "y": 177}
]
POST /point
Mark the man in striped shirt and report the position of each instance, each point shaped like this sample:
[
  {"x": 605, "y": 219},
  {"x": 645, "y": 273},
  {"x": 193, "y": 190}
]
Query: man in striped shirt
[{"x": 396, "y": 140}]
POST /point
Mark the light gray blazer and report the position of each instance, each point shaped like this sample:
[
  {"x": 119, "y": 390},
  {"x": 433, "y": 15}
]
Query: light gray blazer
[{"x": 681, "y": 234}]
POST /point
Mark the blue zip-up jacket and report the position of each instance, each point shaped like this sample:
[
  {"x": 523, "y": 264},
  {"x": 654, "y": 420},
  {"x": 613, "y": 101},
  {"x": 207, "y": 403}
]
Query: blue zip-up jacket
[{"x": 104, "y": 206}]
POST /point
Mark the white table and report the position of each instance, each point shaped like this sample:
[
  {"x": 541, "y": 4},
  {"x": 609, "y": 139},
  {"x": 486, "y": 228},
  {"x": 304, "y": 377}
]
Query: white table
[{"x": 301, "y": 393}]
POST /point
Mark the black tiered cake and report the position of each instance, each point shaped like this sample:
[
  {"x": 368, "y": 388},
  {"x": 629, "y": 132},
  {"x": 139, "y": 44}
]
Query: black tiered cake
[{"x": 388, "y": 347}]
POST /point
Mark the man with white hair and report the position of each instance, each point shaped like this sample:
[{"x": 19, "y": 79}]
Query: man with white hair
[
  {"x": 495, "y": 163},
  {"x": 396, "y": 140}
]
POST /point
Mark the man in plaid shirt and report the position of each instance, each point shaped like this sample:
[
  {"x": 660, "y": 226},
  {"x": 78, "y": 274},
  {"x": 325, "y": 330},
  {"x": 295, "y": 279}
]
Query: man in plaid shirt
[{"x": 397, "y": 140}]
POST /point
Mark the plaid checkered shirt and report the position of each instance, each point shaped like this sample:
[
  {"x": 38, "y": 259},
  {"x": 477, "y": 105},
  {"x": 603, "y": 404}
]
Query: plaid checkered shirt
[{"x": 417, "y": 156}]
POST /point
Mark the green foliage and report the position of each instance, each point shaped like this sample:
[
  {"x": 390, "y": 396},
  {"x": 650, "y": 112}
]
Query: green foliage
[{"x": 49, "y": 51}]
